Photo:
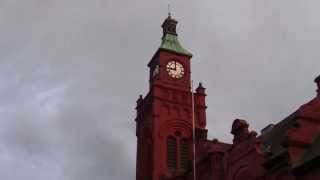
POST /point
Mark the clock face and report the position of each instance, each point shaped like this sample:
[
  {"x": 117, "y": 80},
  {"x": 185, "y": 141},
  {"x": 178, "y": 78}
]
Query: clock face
[{"x": 175, "y": 69}]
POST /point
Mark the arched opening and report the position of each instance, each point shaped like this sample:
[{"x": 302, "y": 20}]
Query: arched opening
[
  {"x": 178, "y": 155},
  {"x": 172, "y": 153},
  {"x": 184, "y": 154}
]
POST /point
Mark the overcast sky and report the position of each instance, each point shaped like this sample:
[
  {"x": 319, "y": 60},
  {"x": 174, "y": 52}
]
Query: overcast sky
[{"x": 71, "y": 71}]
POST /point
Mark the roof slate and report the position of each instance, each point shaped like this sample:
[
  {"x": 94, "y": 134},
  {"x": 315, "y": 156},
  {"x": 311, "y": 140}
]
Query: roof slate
[
  {"x": 273, "y": 139},
  {"x": 310, "y": 154}
]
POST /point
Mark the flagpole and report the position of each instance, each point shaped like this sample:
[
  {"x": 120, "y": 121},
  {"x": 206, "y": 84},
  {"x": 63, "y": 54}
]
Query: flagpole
[{"x": 193, "y": 133}]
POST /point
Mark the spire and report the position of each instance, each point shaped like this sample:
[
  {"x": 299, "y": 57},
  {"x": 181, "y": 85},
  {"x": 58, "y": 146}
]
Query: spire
[
  {"x": 170, "y": 37},
  {"x": 169, "y": 10}
]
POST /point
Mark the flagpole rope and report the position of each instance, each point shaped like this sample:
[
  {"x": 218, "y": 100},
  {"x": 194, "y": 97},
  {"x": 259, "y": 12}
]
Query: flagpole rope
[{"x": 193, "y": 132}]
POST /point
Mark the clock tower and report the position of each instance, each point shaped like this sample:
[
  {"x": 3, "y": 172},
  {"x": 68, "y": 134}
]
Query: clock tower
[{"x": 164, "y": 121}]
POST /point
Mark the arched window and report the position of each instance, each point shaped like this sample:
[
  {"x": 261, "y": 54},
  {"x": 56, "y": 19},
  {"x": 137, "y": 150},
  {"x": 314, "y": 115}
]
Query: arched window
[
  {"x": 177, "y": 153},
  {"x": 184, "y": 154},
  {"x": 172, "y": 153}
]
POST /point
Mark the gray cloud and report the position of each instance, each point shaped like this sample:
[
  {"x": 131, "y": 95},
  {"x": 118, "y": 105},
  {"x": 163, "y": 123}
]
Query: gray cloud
[{"x": 70, "y": 72}]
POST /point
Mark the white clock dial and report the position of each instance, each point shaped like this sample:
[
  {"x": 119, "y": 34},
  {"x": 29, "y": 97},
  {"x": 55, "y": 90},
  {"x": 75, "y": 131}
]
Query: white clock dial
[{"x": 175, "y": 69}]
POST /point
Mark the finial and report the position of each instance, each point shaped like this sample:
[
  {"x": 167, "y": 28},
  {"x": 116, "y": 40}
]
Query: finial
[
  {"x": 169, "y": 10},
  {"x": 139, "y": 100},
  {"x": 317, "y": 81}
]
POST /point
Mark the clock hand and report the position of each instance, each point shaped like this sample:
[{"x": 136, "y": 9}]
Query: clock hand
[{"x": 173, "y": 67}]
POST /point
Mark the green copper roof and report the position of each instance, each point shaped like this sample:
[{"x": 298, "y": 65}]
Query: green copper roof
[{"x": 170, "y": 42}]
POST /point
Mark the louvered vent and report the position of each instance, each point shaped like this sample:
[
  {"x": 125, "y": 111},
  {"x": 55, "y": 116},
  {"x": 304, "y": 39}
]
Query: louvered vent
[
  {"x": 184, "y": 154},
  {"x": 171, "y": 153}
]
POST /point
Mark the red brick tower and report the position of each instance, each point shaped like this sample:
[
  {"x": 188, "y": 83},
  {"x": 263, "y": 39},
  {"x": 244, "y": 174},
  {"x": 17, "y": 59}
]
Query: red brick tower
[{"x": 164, "y": 115}]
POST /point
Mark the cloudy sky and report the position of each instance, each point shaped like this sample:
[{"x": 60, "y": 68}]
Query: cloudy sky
[{"x": 71, "y": 70}]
